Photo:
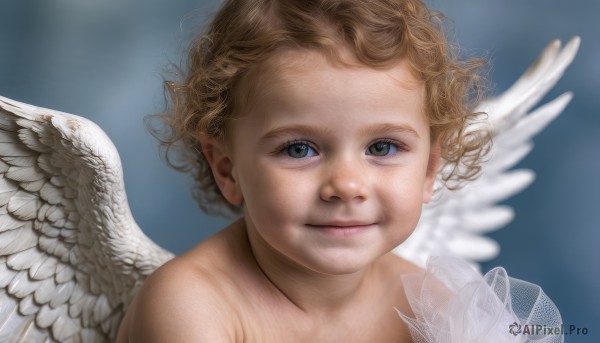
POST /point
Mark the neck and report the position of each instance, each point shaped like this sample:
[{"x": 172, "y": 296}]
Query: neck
[{"x": 310, "y": 291}]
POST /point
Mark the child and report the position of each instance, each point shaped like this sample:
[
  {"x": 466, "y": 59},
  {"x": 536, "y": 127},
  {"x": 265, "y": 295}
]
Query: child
[{"x": 324, "y": 124}]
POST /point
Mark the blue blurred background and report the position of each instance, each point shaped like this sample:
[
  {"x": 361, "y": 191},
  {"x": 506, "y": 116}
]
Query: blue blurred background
[{"x": 105, "y": 60}]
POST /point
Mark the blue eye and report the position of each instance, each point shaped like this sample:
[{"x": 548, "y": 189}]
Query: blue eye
[
  {"x": 299, "y": 150},
  {"x": 382, "y": 148}
]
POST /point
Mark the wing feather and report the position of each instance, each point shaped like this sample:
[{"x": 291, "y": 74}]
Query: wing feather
[
  {"x": 27, "y": 306},
  {"x": 25, "y": 259},
  {"x": 16, "y": 240},
  {"x": 20, "y": 286}
]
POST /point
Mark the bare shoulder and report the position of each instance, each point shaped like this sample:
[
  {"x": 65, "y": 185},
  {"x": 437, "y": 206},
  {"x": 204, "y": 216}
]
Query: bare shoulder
[
  {"x": 393, "y": 267},
  {"x": 189, "y": 299},
  {"x": 171, "y": 304},
  {"x": 397, "y": 266}
]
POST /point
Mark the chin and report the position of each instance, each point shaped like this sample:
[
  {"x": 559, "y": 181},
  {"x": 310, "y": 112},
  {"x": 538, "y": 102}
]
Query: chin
[{"x": 342, "y": 264}]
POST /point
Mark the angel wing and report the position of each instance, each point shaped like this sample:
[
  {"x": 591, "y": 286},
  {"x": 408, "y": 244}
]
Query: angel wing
[
  {"x": 71, "y": 255},
  {"x": 454, "y": 223}
]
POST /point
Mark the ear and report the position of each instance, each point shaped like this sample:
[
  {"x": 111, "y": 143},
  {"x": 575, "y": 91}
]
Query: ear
[
  {"x": 433, "y": 166},
  {"x": 219, "y": 158}
]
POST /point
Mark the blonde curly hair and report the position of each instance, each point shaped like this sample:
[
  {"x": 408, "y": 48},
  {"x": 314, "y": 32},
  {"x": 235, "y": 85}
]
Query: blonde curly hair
[{"x": 379, "y": 33}]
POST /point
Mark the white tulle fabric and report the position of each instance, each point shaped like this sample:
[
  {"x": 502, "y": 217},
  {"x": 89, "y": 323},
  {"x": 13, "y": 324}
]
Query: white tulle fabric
[{"x": 452, "y": 302}]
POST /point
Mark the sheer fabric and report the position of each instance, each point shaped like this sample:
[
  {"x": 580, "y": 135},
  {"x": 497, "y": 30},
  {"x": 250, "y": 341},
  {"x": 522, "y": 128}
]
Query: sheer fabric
[{"x": 452, "y": 302}]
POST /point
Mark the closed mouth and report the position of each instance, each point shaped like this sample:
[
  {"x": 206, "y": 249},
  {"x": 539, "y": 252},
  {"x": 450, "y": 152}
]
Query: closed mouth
[
  {"x": 339, "y": 226},
  {"x": 342, "y": 230}
]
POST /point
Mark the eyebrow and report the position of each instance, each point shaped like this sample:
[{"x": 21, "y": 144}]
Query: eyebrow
[
  {"x": 384, "y": 128},
  {"x": 390, "y": 128},
  {"x": 295, "y": 129}
]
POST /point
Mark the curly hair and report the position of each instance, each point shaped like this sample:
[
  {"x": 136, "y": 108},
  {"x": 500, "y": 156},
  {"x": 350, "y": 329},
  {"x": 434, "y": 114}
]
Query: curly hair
[{"x": 379, "y": 33}]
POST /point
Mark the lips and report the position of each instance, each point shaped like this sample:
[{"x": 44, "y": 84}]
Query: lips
[
  {"x": 342, "y": 229},
  {"x": 342, "y": 224}
]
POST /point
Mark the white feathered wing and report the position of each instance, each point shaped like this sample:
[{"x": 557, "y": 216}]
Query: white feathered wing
[
  {"x": 71, "y": 255},
  {"x": 454, "y": 223}
]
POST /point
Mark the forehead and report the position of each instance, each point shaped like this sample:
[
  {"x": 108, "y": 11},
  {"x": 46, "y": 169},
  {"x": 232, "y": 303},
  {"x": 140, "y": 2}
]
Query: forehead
[
  {"x": 299, "y": 88},
  {"x": 308, "y": 79},
  {"x": 292, "y": 69}
]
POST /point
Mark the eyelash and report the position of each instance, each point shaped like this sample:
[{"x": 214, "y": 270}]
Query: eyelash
[
  {"x": 399, "y": 146},
  {"x": 395, "y": 147},
  {"x": 285, "y": 148}
]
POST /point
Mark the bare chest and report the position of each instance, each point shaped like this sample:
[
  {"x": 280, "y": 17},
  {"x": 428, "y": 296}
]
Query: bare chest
[{"x": 378, "y": 322}]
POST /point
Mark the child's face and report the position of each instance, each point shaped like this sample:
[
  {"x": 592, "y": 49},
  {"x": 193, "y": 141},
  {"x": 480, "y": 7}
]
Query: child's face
[{"x": 331, "y": 163}]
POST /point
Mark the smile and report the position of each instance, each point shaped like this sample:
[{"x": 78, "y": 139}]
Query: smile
[{"x": 341, "y": 229}]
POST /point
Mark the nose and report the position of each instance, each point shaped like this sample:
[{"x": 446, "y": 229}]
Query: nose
[{"x": 344, "y": 181}]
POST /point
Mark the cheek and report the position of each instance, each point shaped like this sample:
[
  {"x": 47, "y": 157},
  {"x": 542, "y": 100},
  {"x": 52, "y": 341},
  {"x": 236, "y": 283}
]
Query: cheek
[
  {"x": 274, "y": 196},
  {"x": 402, "y": 198}
]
